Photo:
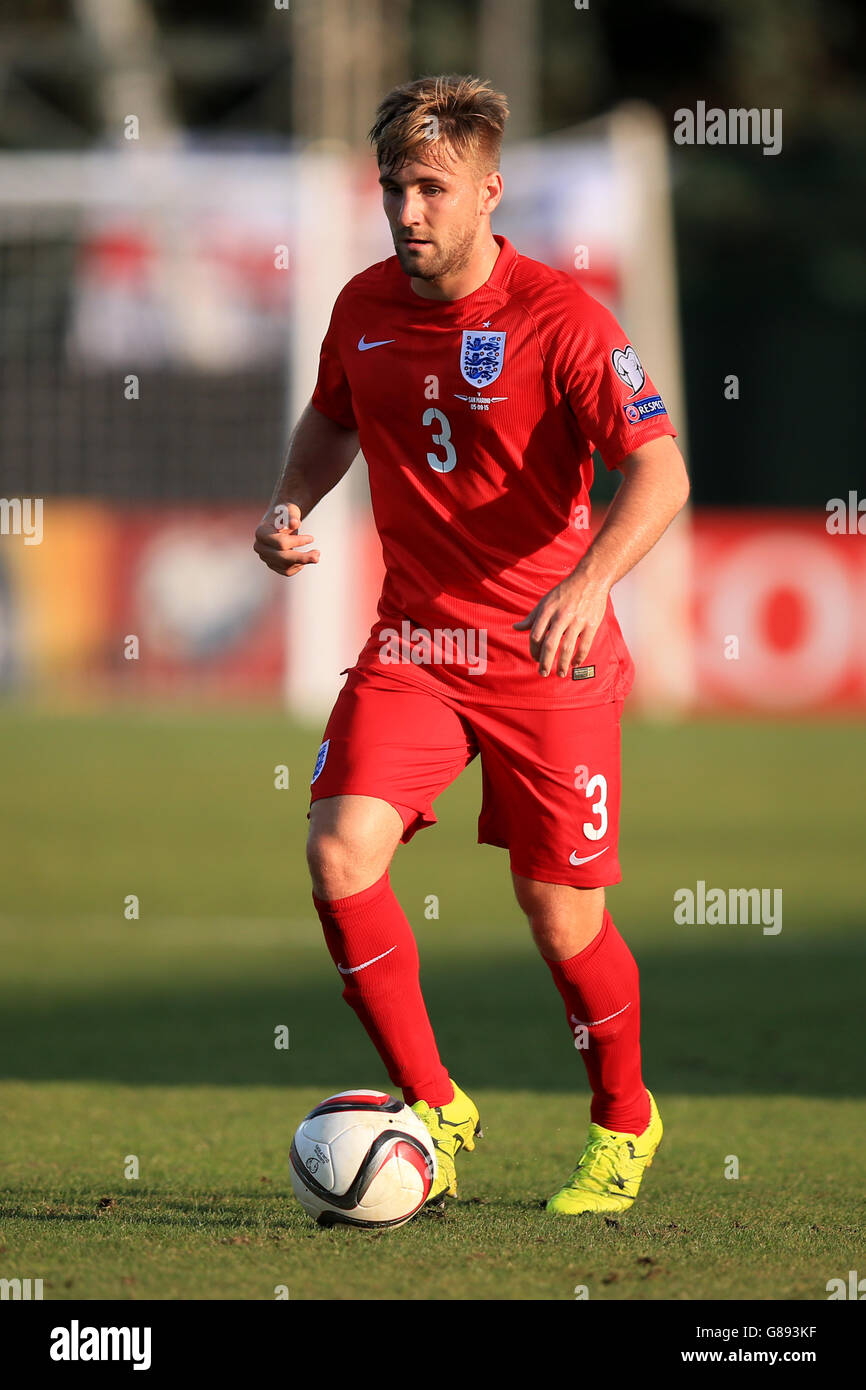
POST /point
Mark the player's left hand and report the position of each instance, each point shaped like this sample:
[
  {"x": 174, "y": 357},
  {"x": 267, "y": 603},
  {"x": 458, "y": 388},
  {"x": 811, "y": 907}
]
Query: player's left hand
[{"x": 565, "y": 621}]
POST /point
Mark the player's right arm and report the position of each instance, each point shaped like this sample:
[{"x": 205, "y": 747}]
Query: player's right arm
[{"x": 320, "y": 452}]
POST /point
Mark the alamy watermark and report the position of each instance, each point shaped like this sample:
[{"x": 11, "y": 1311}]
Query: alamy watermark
[
  {"x": 854, "y": 1288},
  {"x": 22, "y": 516},
  {"x": 736, "y": 126},
  {"x": 421, "y": 646},
  {"x": 718, "y": 907},
  {"x": 846, "y": 516},
  {"x": 77, "y": 1343},
  {"x": 20, "y": 1290}
]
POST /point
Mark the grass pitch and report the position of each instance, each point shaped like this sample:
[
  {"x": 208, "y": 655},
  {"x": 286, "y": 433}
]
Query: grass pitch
[{"x": 153, "y": 1038}]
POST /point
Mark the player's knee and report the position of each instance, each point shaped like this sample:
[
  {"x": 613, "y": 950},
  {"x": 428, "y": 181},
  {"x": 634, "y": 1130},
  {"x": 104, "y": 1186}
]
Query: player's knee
[
  {"x": 563, "y": 920},
  {"x": 343, "y": 863},
  {"x": 558, "y": 939},
  {"x": 330, "y": 858}
]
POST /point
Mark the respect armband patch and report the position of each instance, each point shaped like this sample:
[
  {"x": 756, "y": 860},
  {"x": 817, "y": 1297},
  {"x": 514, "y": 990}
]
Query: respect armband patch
[{"x": 644, "y": 409}]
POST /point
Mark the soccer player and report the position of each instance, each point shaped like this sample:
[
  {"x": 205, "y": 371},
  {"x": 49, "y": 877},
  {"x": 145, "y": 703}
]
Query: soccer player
[{"x": 477, "y": 383}]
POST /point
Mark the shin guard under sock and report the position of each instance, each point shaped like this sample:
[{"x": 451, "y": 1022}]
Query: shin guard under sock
[
  {"x": 600, "y": 990},
  {"x": 374, "y": 949}
]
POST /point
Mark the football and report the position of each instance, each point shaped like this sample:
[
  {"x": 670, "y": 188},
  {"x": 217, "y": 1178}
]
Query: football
[{"x": 362, "y": 1158}]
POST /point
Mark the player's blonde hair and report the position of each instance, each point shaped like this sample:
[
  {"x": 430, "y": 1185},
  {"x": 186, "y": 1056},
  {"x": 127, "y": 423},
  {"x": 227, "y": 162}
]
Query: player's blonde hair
[{"x": 425, "y": 118}]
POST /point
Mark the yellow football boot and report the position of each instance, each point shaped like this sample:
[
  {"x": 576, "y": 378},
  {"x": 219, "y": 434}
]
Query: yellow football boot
[
  {"x": 609, "y": 1171},
  {"x": 454, "y": 1126}
]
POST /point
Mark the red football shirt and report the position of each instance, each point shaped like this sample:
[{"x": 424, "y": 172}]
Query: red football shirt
[{"x": 477, "y": 418}]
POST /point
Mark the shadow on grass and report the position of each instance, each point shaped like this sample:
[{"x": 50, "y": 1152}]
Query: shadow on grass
[
  {"x": 746, "y": 1019},
  {"x": 158, "y": 1209}
]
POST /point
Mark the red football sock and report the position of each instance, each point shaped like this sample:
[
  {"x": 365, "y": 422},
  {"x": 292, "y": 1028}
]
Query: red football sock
[
  {"x": 600, "y": 989},
  {"x": 373, "y": 947}
]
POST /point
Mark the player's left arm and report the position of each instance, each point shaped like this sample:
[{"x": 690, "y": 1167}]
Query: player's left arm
[{"x": 654, "y": 488}]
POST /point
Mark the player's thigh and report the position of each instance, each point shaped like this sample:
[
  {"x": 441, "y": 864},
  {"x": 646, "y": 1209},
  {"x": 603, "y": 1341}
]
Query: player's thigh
[
  {"x": 551, "y": 792},
  {"x": 364, "y": 819},
  {"x": 386, "y": 742}
]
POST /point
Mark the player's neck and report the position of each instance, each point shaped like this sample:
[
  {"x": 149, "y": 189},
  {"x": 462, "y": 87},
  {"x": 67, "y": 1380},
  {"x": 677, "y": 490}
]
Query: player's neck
[{"x": 469, "y": 278}]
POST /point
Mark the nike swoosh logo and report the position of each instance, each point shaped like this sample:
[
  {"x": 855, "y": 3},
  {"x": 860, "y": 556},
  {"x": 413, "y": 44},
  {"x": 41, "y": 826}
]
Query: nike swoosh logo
[
  {"x": 353, "y": 969},
  {"x": 364, "y": 347},
  {"x": 575, "y": 862},
  {"x": 585, "y": 1022}
]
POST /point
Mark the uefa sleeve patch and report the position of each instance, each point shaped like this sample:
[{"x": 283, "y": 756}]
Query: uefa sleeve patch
[
  {"x": 320, "y": 760},
  {"x": 644, "y": 409},
  {"x": 626, "y": 364}
]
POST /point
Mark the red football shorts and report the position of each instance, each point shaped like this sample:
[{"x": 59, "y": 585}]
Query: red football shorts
[{"x": 550, "y": 778}]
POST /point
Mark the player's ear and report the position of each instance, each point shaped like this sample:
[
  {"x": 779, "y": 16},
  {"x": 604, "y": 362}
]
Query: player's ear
[{"x": 490, "y": 191}]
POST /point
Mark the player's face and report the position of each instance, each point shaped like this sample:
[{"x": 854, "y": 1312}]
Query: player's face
[{"x": 434, "y": 215}]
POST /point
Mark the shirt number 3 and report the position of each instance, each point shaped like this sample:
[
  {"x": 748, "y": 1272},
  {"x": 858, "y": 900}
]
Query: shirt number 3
[{"x": 443, "y": 439}]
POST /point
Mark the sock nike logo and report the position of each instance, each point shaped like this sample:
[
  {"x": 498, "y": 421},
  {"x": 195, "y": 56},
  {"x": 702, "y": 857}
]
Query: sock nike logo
[
  {"x": 353, "y": 969},
  {"x": 587, "y": 1023}
]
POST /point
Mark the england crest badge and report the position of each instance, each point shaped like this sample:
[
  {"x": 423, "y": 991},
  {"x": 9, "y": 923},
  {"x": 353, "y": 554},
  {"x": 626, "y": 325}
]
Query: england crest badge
[
  {"x": 320, "y": 759},
  {"x": 481, "y": 356}
]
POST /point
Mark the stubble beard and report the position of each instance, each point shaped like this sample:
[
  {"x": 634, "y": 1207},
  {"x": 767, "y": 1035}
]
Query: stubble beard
[{"x": 444, "y": 261}]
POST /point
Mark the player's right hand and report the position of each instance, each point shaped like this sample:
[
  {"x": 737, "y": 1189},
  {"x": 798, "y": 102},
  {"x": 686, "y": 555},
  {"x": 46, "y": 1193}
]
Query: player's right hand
[{"x": 278, "y": 540}]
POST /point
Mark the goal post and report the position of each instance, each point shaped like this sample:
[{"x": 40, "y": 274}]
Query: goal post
[
  {"x": 320, "y": 631},
  {"x": 660, "y": 633}
]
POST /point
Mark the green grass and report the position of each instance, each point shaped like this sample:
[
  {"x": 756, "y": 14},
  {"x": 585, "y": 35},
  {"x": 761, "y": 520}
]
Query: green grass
[{"x": 155, "y": 1037}]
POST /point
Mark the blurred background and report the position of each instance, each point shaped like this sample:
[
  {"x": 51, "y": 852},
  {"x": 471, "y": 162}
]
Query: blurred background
[{"x": 184, "y": 187}]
